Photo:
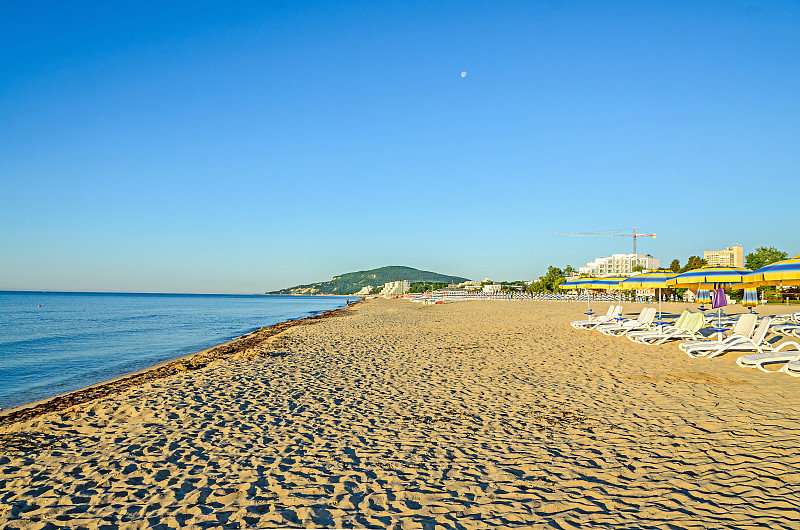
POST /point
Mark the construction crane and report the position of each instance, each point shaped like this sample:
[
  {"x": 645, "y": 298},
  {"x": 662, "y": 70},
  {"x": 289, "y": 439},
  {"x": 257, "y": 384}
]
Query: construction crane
[{"x": 599, "y": 234}]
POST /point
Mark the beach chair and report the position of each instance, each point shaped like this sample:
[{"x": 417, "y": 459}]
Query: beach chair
[
  {"x": 689, "y": 329},
  {"x": 745, "y": 325},
  {"x": 633, "y": 335},
  {"x": 643, "y": 322},
  {"x": 783, "y": 353},
  {"x": 609, "y": 314},
  {"x": 712, "y": 348},
  {"x": 792, "y": 368},
  {"x": 612, "y": 313},
  {"x": 786, "y": 318},
  {"x": 786, "y": 328},
  {"x": 755, "y": 342}
]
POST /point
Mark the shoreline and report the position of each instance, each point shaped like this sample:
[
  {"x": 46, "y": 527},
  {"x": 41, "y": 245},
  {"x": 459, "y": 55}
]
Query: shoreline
[
  {"x": 469, "y": 415},
  {"x": 184, "y": 363}
]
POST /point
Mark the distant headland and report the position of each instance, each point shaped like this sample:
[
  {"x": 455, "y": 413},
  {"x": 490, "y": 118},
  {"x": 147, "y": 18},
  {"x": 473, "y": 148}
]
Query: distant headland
[{"x": 360, "y": 281}]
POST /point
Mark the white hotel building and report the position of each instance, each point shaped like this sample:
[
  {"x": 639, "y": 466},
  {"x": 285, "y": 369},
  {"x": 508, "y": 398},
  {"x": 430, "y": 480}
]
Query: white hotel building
[
  {"x": 395, "y": 288},
  {"x": 619, "y": 264}
]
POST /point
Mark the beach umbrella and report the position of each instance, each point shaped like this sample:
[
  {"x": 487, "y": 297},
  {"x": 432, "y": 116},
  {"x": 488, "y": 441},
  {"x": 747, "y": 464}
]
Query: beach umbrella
[
  {"x": 704, "y": 294},
  {"x": 750, "y": 298},
  {"x": 723, "y": 275},
  {"x": 781, "y": 273},
  {"x": 649, "y": 280},
  {"x": 580, "y": 283},
  {"x": 607, "y": 283},
  {"x": 708, "y": 277}
]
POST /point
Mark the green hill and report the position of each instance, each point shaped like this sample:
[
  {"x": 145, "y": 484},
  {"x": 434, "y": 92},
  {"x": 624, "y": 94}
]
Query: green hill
[{"x": 352, "y": 282}]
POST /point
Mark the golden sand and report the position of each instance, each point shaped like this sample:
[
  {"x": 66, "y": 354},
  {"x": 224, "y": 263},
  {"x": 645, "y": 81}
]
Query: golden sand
[{"x": 397, "y": 415}]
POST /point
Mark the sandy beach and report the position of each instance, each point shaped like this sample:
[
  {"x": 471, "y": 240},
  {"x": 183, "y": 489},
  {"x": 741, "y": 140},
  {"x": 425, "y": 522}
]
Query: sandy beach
[{"x": 396, "y": 415}]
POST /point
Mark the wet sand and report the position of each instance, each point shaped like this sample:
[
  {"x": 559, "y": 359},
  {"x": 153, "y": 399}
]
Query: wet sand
[{"x": 397, "y": 415}]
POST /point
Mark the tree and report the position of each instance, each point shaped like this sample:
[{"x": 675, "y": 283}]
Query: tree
[
  {"x": 424, "y": 287},
  {"x": 695, "y": 262},
  {"x": 568, "y": 270},
  {"x": 637, "y": 268},
  {"x": 549, "y": 282},
  {"x": 675, "y": 266},
  {"x": 763, "y": 256}
]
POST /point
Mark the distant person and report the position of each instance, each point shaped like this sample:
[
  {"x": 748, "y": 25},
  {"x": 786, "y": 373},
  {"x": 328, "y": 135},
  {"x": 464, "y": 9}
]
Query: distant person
[{"x": 346, "y": 301}]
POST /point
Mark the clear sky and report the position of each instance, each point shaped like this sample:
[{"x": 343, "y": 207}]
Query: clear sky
[{"x": 243, "y": 147}]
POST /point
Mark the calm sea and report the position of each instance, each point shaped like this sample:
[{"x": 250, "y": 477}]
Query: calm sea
[{"x": 78, "y": 339}]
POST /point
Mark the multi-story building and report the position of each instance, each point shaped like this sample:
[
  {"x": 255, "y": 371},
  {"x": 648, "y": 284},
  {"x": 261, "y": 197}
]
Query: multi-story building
[
  {"x": 492, "y": 288},
  {"x": 731, "y": 256},
  {"x": 395, "y": 288},
  {"x": 472, "y": 285},
  {"x": 619, "y": 264},
  {"x": 364, "y": 291}
]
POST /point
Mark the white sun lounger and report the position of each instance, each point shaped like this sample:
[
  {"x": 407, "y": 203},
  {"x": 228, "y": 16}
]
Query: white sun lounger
[
  {"x": 634, "y": 335},
  {"x": 735, "y": 343},
  {"x": 643, "y": 322},
  {"x": 786, "y": 328},
  {"x": 792, "y": 368},
  {"x": 609, "y": 314},
  {"x": 784, "y": 353},
  {"x": 591, "y": 324},
  {"x": 689, "y": 329},
  {"x": 786, "y": 318},
  {"x": 745, "y": 325}
]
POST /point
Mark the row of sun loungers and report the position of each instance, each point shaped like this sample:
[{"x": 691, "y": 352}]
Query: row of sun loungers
[{"x": 748, "y": 334}]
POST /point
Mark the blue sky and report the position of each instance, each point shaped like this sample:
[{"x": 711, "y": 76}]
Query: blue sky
[{"x": 207, "y": 147}]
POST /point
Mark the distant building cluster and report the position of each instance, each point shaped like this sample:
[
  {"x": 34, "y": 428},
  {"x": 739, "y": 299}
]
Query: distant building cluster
[
  {"x": 365, "y": 290},
  {"x": 396, "y": 288},
  {"x": 616, "y": 264},
  {"x": 619, "y": 264},
  {"x": 731, "y": 257},
  {"x": 492, "y": 288}
]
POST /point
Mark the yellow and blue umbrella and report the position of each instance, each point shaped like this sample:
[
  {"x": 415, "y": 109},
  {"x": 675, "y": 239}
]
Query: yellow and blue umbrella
[
  {"x": 580, "y": 283},
  {"x": 577, "y": 283},
  {"x": 649, "y": 280},
  {"x": 706, "y": 278},
  {"x": 704, "y": 293},
  {"x": 720, "y": 275},
  {"x": 750, "y": 298},
  {"x": 607, "y": 283},
  {"x": 782, "y": 273}
]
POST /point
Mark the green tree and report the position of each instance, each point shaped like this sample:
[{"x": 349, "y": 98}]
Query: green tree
[
  {"x": 424, "y": 287},
  {"x": 675, "y": 266},
  {"x": 763, "y": 256},
  {"x": 538, "y": 287},
  {"x": 695, "y": 262},
  {"x": 637, "y": 268},
  {"x": 550, "y": 281}
]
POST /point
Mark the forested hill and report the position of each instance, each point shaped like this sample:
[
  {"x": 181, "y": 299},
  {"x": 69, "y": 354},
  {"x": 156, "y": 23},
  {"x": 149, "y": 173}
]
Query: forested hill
[{"x": 352, "y": 282}]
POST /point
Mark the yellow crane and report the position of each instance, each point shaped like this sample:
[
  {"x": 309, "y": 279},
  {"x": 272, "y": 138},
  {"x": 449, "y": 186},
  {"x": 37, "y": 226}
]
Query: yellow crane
[{"x": 634, "y": 235}]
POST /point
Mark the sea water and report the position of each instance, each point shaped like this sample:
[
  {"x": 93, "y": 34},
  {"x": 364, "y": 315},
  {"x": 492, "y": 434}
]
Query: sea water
[{"x": 51, "y": 343}]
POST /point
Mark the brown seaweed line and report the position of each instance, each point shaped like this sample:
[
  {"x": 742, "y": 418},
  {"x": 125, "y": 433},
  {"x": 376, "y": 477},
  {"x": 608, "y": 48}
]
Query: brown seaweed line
[{"x": 194, "y": 362}]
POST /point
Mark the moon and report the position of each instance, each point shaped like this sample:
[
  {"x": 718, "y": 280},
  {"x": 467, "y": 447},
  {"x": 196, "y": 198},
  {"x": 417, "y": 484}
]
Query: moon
[{"x": 464, "y": 73}]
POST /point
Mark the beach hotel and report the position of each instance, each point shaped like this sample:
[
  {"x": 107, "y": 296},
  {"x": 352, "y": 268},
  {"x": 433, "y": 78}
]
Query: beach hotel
[
  {"x": 619, "y": 264},
  {"x": 731, "y": 256}
]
